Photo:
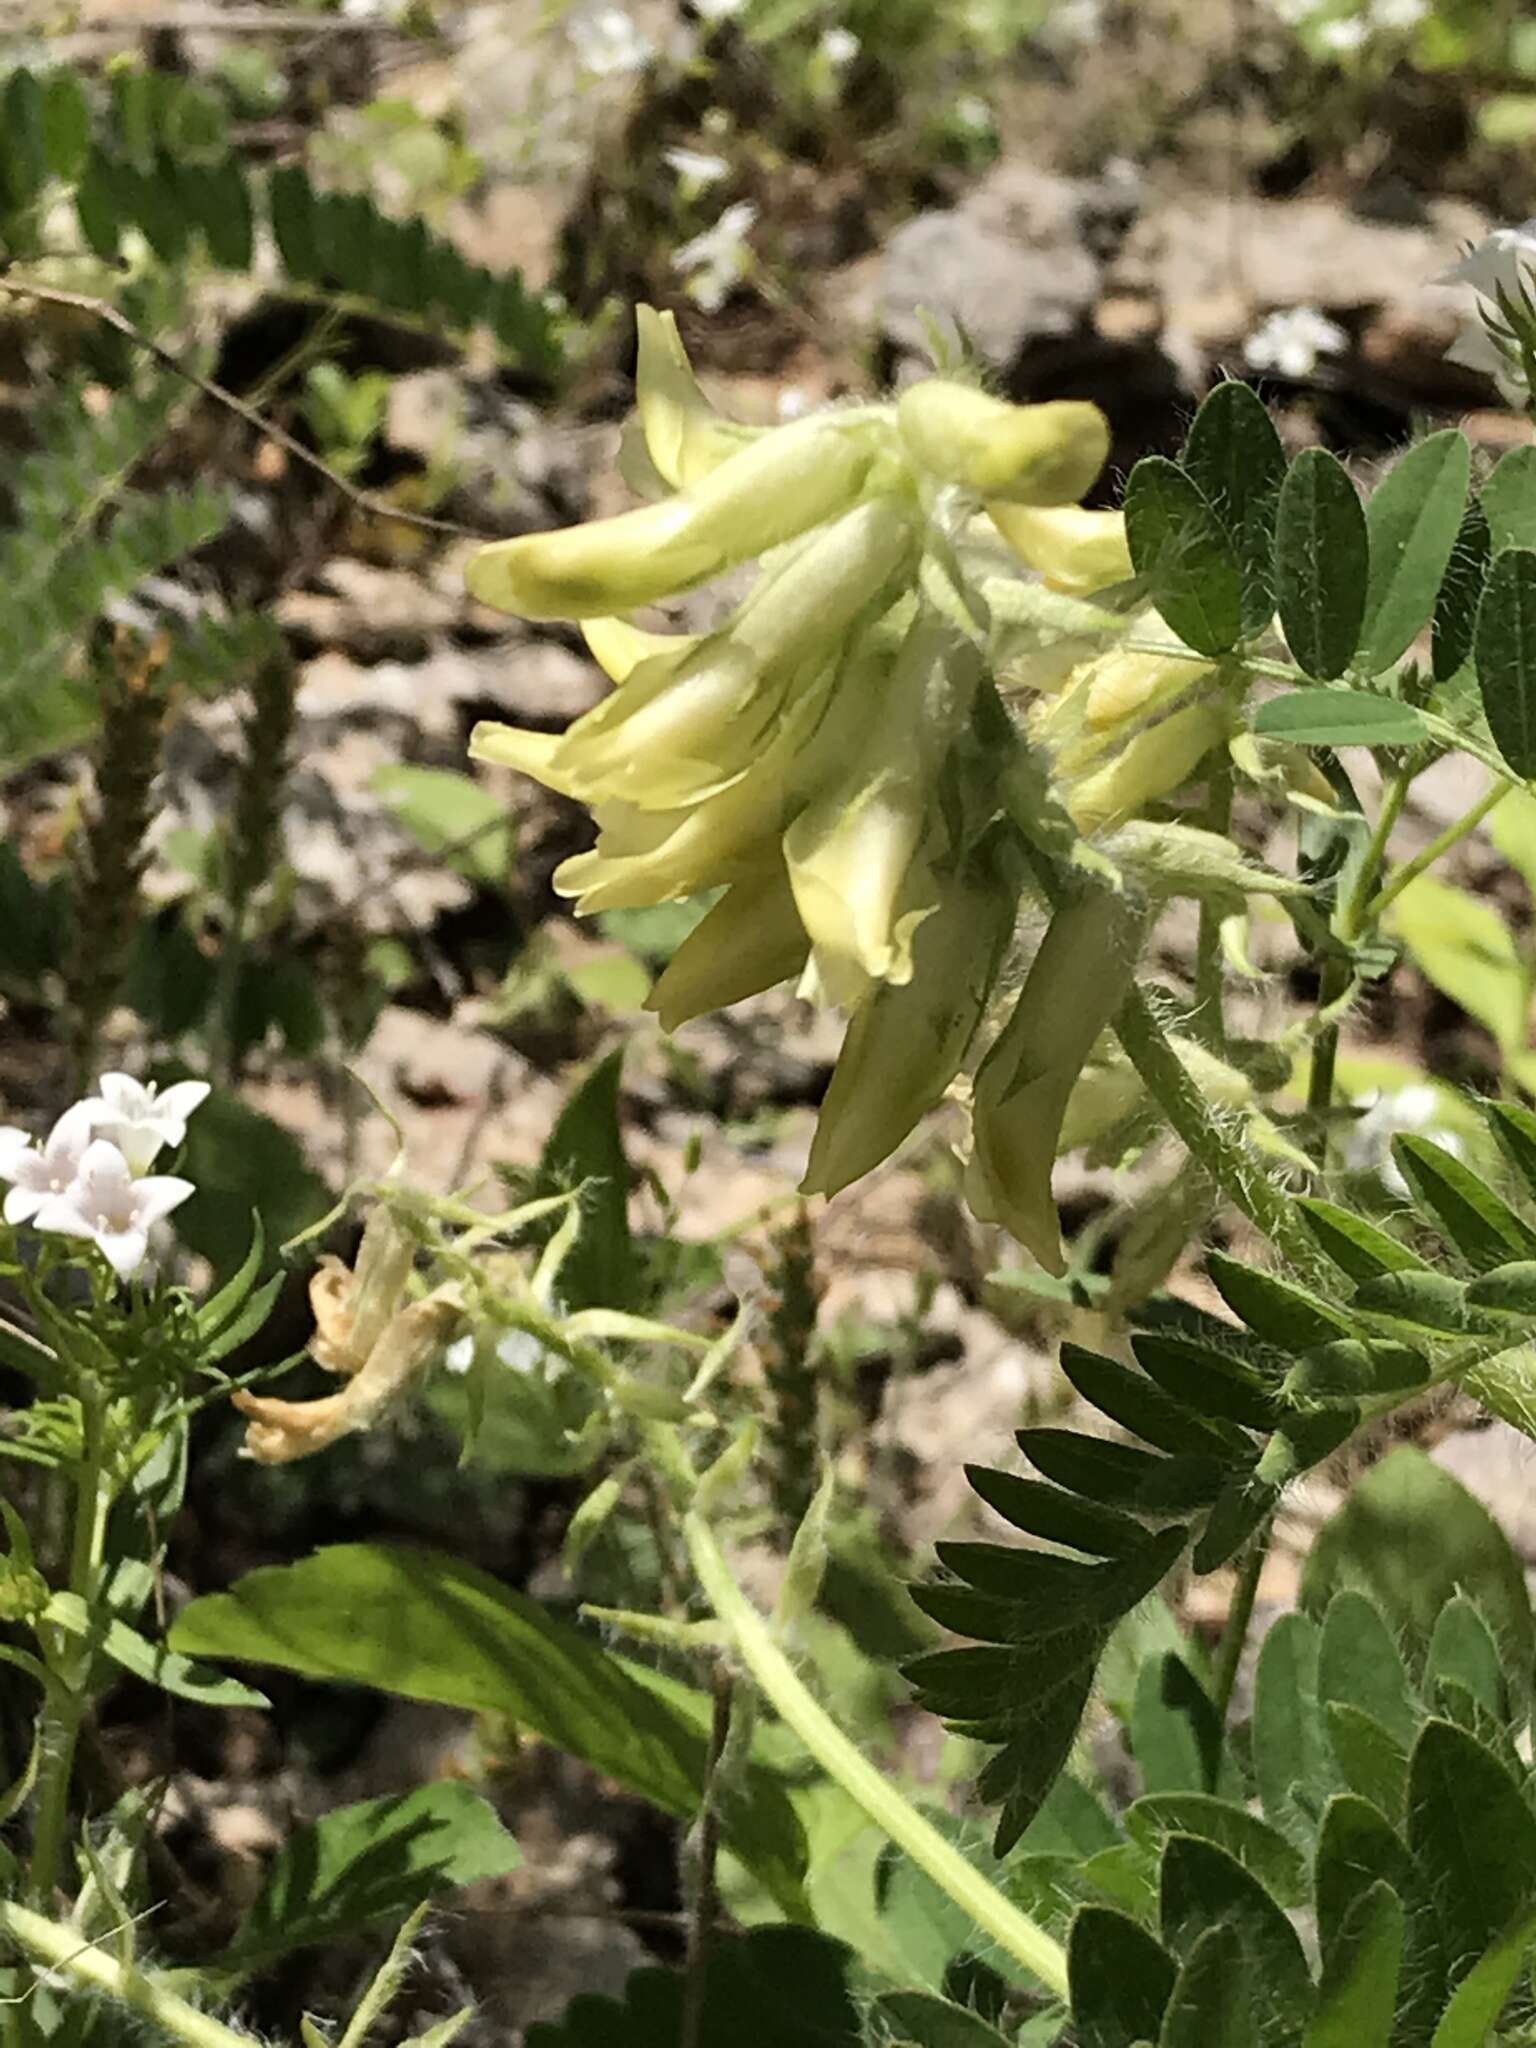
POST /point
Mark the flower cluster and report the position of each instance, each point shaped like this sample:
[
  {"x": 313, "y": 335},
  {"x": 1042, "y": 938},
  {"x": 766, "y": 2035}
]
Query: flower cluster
[
  {"x": 836, "y": 757},
  {"x": 90, "y": 1177}
]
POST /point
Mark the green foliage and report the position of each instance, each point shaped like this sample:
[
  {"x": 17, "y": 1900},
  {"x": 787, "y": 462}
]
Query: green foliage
[
  {"x": 156, "y": 156},
  {"x": 428, "y": 1627},
  {"x": 377, "y": 1860}
]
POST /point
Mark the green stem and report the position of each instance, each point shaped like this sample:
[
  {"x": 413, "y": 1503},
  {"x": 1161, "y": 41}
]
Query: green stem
[
  {"x": 988, "y": 1910},
  {"x": 705, "y": 1899},
  {"x": 1239, "y": 1619},
  {"x": 1217, "y": 817},
  {"x": 1354, "y": 916},
  {"x": 69, "y": 1660},
  {"x": 60, "y": 1948},
  {"x": 1239, "y": 1177},
  {"x": 1410, "y": 870}
]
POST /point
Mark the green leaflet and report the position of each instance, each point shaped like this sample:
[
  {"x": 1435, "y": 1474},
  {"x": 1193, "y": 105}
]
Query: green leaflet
[
  {"x": 1322, "y": 564},
  {"x": 1504, "y": 650},
  {"x": 1234, "y": 455},
  {"x": 1414, "y": 517},
  {"x": 1339, "y": 718},
  {"x": 1179, "y": 545}
]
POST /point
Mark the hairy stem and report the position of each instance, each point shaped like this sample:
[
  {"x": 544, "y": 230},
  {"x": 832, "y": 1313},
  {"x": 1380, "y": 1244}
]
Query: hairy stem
[
  {"x": 69, "y": 1662},
  {"x": 1217, "y": 817},
  {"x": 1354, "y": 917},
  {"x": 1014, "y": 1931},
  {"x": 61, "y": 1949},
  {"x": 704, "y": 1889},
  {"x": 1229, "y": 1654},
  {"x": 1239, "y": 1177}
]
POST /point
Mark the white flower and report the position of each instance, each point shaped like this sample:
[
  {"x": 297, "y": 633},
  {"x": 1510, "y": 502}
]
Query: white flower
[
  {"x": 839, "y": 46},
  {"x": 37, "y": 1173},
  {"x": 607, "y": 42},
  {"x": 519, "y": 1350},
  {"x": 1291, "y": 341},
  {"x": 695, "y": 168},
  {"x": 719, "y": 258},
  {"x": 1415, "y": 1108},
  {"x": 1343, "y": 38},
  {"x": 141, "y": 1120},
  {"x": 106, "y": 1204},
  {"x": 1074, "y": 21},
  {"x": 716, "y": 10},
  {"x": 973, "y": 114},
  {"x": 1501, "y": 269}
]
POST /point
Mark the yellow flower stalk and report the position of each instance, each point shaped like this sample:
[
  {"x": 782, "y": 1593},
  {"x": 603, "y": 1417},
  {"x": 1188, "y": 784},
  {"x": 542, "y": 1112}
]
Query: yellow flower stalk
[
  {"x": 685, "y": 436},
  {"x": 751, "y": 940},
  {"x": 1076, "y": 551},
  {"x": 765, "y": 494},
  {"x": 906, "y": 1043},
  {"x": 1075, "y": 985},
  {"x": 1028, "y": 454}
]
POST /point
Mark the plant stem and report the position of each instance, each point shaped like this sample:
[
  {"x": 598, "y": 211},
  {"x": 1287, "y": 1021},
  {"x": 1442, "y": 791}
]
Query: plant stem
[
  {"x": 1354, "y": 916},
  {"x": 995, "y": 1915},
  {"x": 1229, "y": 1654},
  {"x": 60, "y": 1948},
  {"x": 705, "y": 1903},
  {"x": 70, "y": 1661},
  {"x": 1410, "y": 870},
  {"x": 1240, "y": 1178},
  {"x": 1217, "y": 817}
]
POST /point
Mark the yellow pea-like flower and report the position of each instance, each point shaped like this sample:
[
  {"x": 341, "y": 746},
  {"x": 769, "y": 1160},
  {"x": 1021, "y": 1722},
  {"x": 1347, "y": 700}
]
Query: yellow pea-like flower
[
  {"x": 1075, "y": 550},
  {"x": 907, "y": 1042},
  {"x": 688, "y": 722},
  {"x": 1151, "y": 765},
  {"x": 850, "y": 849},
  {"x": 618, "y": 648},
  {"x": 751, "y": 940},
  {"x": 765, "y": 494},
  {"x": 685, "y": 436},
  {"x": 1030, "y": 454},
  {"x": 1075, "y": 984}
]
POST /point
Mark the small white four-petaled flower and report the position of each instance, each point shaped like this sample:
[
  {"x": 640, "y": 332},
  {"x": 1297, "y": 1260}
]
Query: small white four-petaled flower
[
  {"x": 717, "y": 261},
  {"x": 141, "y": 1120},
  {"x": 1501, "y": 269}
]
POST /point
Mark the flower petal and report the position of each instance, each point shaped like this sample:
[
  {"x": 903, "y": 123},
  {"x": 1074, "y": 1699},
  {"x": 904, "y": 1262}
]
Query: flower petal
[
  {"x": 157, "y": 1195},
  {"x": 176, "y": 1103},
  {"x": 123, "y": 1250}
]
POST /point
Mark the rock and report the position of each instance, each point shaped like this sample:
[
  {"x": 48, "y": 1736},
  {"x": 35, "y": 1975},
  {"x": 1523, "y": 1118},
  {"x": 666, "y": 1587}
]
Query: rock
[
  {"x": 1216, "y": 266},
  {"x": 368, "y": 611},
  {"x": 1009, "y": 266},
  {"x": 1497, "y": 1464}
]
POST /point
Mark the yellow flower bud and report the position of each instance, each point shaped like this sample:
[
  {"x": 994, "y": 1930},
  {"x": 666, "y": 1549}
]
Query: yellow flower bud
[
  {"x": 906, "y": 1043},
  {"x": 1075, "y": 985},
  {"x": 792, "y": 479},
  {"x": 1153, "y": 764},
  {"x": 1076, "y": 551},
  {"x": 684, "y": 435},
  {"x": 1030, "y": 454},
  {"x": 752, "y": 939},
  {"x": 530, "y": 753}
]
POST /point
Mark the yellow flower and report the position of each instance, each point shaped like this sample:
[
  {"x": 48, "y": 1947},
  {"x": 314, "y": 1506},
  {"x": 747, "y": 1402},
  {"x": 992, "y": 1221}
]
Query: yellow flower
[
  {"x": 767, "y": 493},
  {"x": 750, "y": 940},
  {"x": 685, "y": 436},
  {"x": 906, "y": 1043},
  {"x": 1075, "y": 985},
  {"x": 1151, "y": 765},
  {"x": 1076, "y": 551},
  {"x": 849, "y": 851},
  {"x": 1030, "y": 454}
]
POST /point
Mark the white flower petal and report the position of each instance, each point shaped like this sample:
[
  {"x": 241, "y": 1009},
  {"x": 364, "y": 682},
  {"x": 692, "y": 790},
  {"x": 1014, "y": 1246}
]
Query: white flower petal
[
  {"x": 124, "y": 1250},
  {"x": 177, "y": 1102},
  {"x": 156, "y": 1197},
  {"x": 13, "y": 1142},
  {"x": 23, "y": 1203},
  {"x": 62, "y": 1216}
]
